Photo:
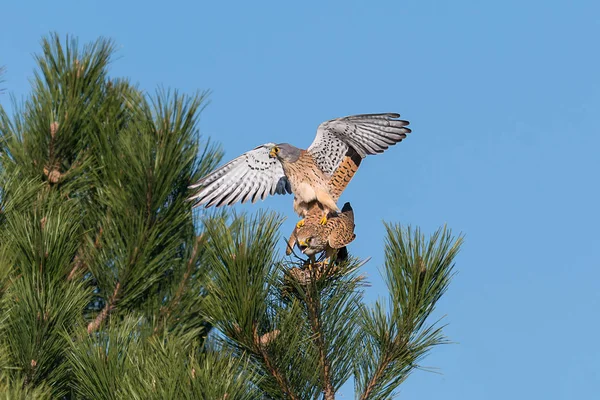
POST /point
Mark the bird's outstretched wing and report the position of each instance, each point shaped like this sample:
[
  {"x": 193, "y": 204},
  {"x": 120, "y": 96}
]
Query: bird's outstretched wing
[
  {"x": 366, "y": 134},
  {"x": 251, "y": 176}
]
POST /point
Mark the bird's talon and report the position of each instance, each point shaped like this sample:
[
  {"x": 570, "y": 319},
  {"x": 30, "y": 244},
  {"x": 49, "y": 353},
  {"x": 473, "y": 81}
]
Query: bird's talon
[
  {"x": 323, "y": 220},
  {"x": 300, "y": 223}
]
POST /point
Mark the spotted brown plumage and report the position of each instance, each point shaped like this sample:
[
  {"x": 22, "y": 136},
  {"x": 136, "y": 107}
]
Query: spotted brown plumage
[
  {"x": 313, "y": 238},
  {"x": 308, "y": 174}
]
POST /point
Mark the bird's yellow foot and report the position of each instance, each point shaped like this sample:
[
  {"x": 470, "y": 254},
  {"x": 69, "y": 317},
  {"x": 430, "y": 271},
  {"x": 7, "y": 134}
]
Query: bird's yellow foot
[
  {"x": 323, "y": 220},
  {"x": 300, "y": 223}
]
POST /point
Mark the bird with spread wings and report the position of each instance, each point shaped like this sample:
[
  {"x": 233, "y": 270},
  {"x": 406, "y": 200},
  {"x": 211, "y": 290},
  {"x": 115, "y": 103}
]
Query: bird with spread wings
[{"x": 313, "y": 176}]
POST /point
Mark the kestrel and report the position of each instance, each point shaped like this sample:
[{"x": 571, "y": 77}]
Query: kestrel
[
  {"x": 313, "y": 238},
  {"x": 307, "y": 174}
]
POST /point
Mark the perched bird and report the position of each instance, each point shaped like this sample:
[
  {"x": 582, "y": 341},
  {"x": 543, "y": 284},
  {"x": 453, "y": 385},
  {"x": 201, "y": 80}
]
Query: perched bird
[
  {"x": 307, "y": 174},
  {"x": 313, "y": 238}
]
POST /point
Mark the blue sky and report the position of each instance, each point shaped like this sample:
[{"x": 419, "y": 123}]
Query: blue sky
[{"x": 503, "y": 99}]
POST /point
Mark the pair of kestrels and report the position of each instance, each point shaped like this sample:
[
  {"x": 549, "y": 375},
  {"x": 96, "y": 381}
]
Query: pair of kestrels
[{"x": 316, "y": 177}]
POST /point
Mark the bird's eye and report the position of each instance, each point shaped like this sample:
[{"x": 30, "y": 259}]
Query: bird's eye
[{"x": 274, "y": 151}]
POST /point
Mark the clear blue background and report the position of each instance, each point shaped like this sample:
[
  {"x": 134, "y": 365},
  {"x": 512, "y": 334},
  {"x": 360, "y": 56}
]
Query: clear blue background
[{"x": 504, "y": 100}]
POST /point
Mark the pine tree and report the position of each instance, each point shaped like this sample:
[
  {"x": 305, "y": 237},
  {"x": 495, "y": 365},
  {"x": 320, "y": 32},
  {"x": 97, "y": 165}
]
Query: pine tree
[{"x": 112, "y": 288}]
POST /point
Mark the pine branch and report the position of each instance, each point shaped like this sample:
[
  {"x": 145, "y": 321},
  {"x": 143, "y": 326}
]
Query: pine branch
[
  {"x": 418, "y": 272},
  {"x": 385, "y": 362},
  {"x": 260, "y": 350},
  {"x": 379, "y": 373},
  {"x": 313, "y": 305},
  {"x": 18, "y": 389},
  {"x": 165, "y": 312},
  {"x": 37, "y": 243},
  {"x": 108, "y": 308},
  {"x": 78, "y": 262},
  {"x": 243, "y": 304},
  {"x": 188, "y": 272}
]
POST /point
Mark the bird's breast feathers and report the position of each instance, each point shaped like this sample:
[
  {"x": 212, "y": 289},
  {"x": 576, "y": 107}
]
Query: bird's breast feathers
[{"x": 305, "y": 192}]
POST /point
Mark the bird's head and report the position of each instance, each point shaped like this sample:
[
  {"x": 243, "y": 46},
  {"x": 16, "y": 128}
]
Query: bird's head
[
  {"x": 285, "y": 152},
  {"x": 311, "y": 245}
]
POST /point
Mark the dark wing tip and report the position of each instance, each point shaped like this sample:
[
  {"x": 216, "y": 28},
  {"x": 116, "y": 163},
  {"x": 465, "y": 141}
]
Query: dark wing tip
[
  {"x": 194, "y": 202},
  {"x": 347, "y": 207},
  {"x": 372, "y": 116}
]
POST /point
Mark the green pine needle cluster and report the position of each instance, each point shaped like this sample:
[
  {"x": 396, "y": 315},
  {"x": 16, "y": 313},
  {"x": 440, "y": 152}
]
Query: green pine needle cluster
[{"x": 112, "y": 288}]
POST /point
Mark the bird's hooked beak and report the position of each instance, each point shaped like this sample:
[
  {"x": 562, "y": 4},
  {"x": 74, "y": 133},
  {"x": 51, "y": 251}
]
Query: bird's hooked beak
[
  {"x": 273, "y": 152},
  {"x": 302, "y": 245}
]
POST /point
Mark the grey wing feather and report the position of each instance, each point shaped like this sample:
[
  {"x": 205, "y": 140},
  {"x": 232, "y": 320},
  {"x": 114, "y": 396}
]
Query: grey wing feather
[
  {"x": 365, "y": 133},
  {"x": 251, "y": 176}
]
